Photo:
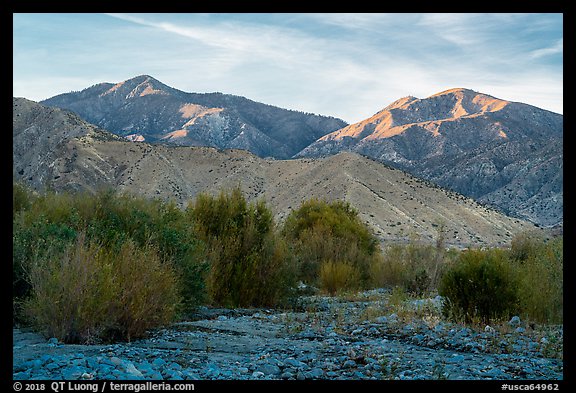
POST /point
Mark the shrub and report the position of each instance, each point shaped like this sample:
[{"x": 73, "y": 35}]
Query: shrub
[
  {"x": 337, "y": 276},
  {"x": 148, "y": 293},
  {"x": 92, "y": 293},
  {"x": 320, "y": 231},
  {"x": 481, "y": 285},
  {"x": 525, "y": 244},
  {"x": 249, "y": 265},
  {"x": 539, "y": 266},
  {"x": 40, "y": 241},
  {"x": 417, "y": 267},
  {"x": 46, "y": 224}
]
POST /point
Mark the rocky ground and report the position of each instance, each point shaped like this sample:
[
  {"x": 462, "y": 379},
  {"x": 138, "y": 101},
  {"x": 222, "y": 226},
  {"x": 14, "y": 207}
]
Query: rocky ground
[{"x": 366, "y": 336}]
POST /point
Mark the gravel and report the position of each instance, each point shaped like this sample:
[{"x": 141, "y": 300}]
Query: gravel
[{"x": 333, "y": 338}]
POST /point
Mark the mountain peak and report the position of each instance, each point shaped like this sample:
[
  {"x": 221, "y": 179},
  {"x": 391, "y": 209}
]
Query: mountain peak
[
  {"x": 401, "y": 103},
  {"x": 454, "y": 91},
  {"x": 139, "y": 86},
  {"x": 147, "y": 107}
]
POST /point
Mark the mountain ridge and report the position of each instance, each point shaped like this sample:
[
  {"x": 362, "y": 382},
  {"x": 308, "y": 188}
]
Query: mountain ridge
[
  {"x": 452, "y": 138},
  {"x": 147, "y": 109},
  {"x": 395, "y": 205}
]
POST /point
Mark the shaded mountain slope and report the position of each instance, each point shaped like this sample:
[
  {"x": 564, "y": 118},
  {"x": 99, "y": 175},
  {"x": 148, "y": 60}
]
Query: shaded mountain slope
[
  {"x": 143, "y": 108},
  {"x": 503, "y": 153}
]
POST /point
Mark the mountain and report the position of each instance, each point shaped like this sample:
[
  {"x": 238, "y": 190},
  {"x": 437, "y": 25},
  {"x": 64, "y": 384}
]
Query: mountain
[
  {"x": 55, "y": 148},
  {"x": 41, "y": 152},
  {"x": 505, "y": 154},
  {"x": 144, "y": 109}
]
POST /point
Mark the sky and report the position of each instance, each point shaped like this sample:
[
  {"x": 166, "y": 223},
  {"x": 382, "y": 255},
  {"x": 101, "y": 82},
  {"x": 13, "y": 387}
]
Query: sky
[{"x": 349, "y": 66}]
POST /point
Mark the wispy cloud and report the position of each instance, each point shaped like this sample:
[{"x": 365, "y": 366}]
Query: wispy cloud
[
  {"x": 271, "y": 42},
  {"x": 458, "y": 29},
  {"x": 208, "y": 36},
  {"x": 556, "y": 48},
  {"x": 345, "y": 65}
]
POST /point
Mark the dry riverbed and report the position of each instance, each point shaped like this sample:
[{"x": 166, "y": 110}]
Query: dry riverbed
[{"x": 355, "y": 337}]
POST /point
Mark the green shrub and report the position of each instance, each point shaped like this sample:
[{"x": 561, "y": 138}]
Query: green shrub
[
  {"x": 40, "y": 241},
  {"x": 480, "y": 286},
  {"x": 525, "y": 244},
  {"x": 336, "y": 276},
  {"x": 249, "y": 264},
  {"x": 92, "y": 293},
  {"x": 539, "y": 266},
  {"x": 46, "y": 224},
  {"x": 321, "y": 231}
]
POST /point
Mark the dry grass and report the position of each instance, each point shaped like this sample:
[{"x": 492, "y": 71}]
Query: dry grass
[{"x": 92, "y": 294}]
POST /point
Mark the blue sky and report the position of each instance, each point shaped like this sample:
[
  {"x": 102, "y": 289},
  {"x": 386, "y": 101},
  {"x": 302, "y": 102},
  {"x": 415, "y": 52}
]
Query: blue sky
[{"x": 344, "y": 65}]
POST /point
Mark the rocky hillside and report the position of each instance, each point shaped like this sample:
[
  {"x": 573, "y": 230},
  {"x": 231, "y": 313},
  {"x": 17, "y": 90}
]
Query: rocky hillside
[
  {"x": 506, "y": 154},
  {"x": 144, "y": 109},
  {"x": 55, "y": 148},
  {"x": 40, "y": 136}
]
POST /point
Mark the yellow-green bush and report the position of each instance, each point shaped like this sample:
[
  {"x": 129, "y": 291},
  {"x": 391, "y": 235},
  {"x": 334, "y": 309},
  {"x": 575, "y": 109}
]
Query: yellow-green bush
[
  {"x": 249, "y": 264},
  {"x": 21, "y": 197},
  {"x": 482, "y": 285},
  {"x": 417, "y": 267},
  {"x": 336, "y": 276},
  {"x": 45, "y": 224},
  {"x": 92, "y": 293},
  {"x": 539, "y": 265},
  {"x": 321, "y": 231}
]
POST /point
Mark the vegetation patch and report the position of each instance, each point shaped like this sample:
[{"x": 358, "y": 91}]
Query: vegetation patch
[
  {"x": 481, "y": 285},
  {"x": 109, "y": 266},
  {"x": 92, "y": 293},
  {"x": 249, "y": 264},
  {"x": 320, "y": 232}
]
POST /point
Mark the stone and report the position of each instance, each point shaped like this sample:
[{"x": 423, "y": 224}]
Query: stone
[
  {"x": 212, "y": 371},
  {"x": 73, "y": 372},
  {"x": 158, "y": 362},
  {"x": 144, "y": 367},
  {"x": 175, "y": 366},
  {"x": 269, "y": 369},
  {"x": 243, "y": 370},
  {"x": 316, "y": 373},
  {"x": 294, "y": 363},
  {"x": 52, "y": 366},
  {"x": 22, "y": 375},
  {"x": 514, "y": 321},
  {"x": 349, "y": 363},
  {"x": 116, "y": 361},
  {"x": 455, "y": 358},
  {"x": 133, "y": 371},
  {"x": 190, "y": 374}
]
